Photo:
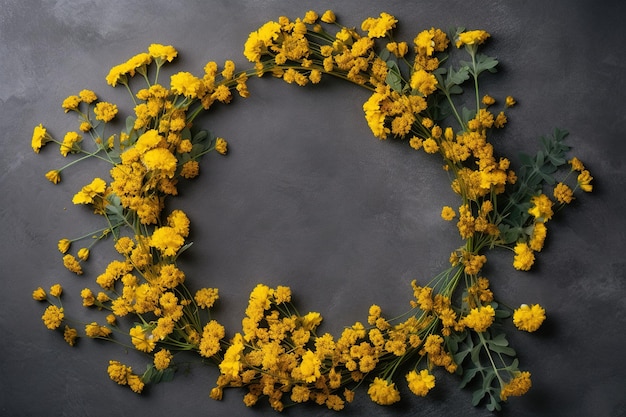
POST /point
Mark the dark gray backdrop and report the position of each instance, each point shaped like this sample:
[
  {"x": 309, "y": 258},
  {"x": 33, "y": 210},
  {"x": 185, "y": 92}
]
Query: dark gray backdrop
[{"x": 307, "y": 197}]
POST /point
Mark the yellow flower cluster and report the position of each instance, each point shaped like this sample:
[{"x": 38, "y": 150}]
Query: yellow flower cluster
[{"x": 278, "y": 355}]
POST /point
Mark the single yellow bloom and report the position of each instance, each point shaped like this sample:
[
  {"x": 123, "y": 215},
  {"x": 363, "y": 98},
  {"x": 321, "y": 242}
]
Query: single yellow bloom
[
  {"x": 105, "y": 111},
  {"x": 509, "y": 101},
  {"x": 39, "y": 294},
  {"x": 488, "y": 100},
  {"x": 378, "y": 27},
  {"x": 529, "y": 318},
  {"x": 70, "y": 335},
  {"x": 87, "y": 96},
  {"x": 162, "y": 359},
  {"x": 329, "y": 17},
  {"x": 221, "y": 146},
  {"x": 71, "y": 103},
  {"x": 56, "y": 290},
  {"x": 118, "y": 372},
  {"x": 53, "y": 176},
  {"x": 563, "y": 193},
  {"x": 584, "y": 181},
  {"x": 576, "y": 164},
  {"x": 420, "y": 383},
  {"x": 524, "y": 257},
  {"x": 83, "y": 254},
  {"x": 310, "y": 17},
  {"x": 448, "y": 213},
  {"x": 517, "y": 386},
  {"x": 479, "y": 319},
  {"x": 70, "y": 262},
  {"x": 472, "y": 37},
  {"x": 141, "y": 339},
  {"x": 52, "y": 317},
  {"x": 40, "y": 138},
  {"x": 162, "y": 52},
  {"x": 542, "y": 208},
  {"x": 382, "y": 392},
  {"x": 64, "y": 245}
]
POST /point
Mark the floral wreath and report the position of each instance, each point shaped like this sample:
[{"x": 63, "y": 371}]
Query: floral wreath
[{"x": 454, "y": 322}]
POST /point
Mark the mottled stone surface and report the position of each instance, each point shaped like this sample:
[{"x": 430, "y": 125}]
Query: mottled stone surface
[{"x": 307, "y": 197}]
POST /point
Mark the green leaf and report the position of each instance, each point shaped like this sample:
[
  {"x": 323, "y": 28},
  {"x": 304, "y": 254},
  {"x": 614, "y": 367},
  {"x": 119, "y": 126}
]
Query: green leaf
[
  {"x": 394, "y": 79},
  {"x": 130, "y": 124}
]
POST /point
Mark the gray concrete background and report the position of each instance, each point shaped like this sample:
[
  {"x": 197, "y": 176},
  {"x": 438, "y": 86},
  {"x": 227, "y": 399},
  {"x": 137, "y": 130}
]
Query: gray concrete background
[{"x": 307, "y": 197}]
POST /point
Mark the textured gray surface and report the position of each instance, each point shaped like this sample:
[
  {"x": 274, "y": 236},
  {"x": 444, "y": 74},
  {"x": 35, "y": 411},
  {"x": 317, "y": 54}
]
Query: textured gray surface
[{"x": 307, "y": 197}]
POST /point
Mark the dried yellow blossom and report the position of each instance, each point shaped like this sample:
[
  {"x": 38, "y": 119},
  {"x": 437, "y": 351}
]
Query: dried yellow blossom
[
  {"x": 524, "y": 257},
  {"x": 421, "y": 383},
  {"x": 39, "y": 294},
  {"x": 529, "y": 318},
  {"x": 383, "y": 392},
  {"x": 53, "y": 316},
  {"x": 517, "y": 386}
]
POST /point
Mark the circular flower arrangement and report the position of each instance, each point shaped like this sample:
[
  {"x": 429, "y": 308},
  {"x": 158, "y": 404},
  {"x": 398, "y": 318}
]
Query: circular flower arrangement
[{"x": 454, "y": 323}]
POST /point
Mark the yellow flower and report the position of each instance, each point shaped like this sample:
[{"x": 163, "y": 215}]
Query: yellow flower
[
  {"x": 39, "y": 294},
  {"x": 509, "y": 101},
  {"x": 538, "y": 236},
  {"x": 448, "y": 213},
  {"x": 162, "y": 160},
  {"x": 310, "y": 17},
  {"x": 87, "y": 96},
  {"x": 576, "y": 164},
  {"x": 162, "y": 52},
  {"x": 206, "y": 297},
  {"x": 479, "y": 319},
  {"x": 430, "y": 146},
  {"x": 517, "y": 386},
  {"x": 186, "y": 84},
  {"x": 529, "y": 318},
  {"x": 378, "y": 27},
  {"x": 231, "y": 364},
  {"x": 328, "y": 17},
  {"x": 83, "y": 254},
  {"x": 52, "y": 317},
  {"x": 70, "y": 335},
  {"x": 162, "y": 359},
  {"x": 309, "y": 369},
  {"x": 563, "y": 193},
  {"x": 105, "y": 111},
  {"x": 420, "y": 383},
  {"x": 542, "y": 208},
  {"x": 212, "y": 334},
  {"x": 70, "y": 141},
  {"x": 72, "y": 264},
  {"x": 87, "y": 194},
  {"x": 141, "y": 339},
  {"x": 221, "y": 146},
  {"x": 71, "y": 103},
  {"x": 56, "y": 290},
  {"x": 166, "y": 240},
  {"x": 53, "y": 176},
  {"x": 382, "y": 392},
  {"x": 94, "y": 330},
  {"x": 135, "y": 383},
  {"x": 524, "y": 257},
  {"x": 423, "y": 81},
  {"x": 488, "y": 100},
  {"x": 40, "y": 138},
  {"x": 64, "y": 245},
  {"x": 88, "y": 297},
  {"x": 584, "y": 181},
  {"x": 117, "y": 74},
  {"x": 118, "y": 372},
  {"x": 472, "y": 37}
]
